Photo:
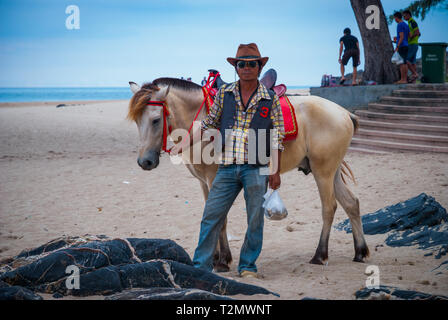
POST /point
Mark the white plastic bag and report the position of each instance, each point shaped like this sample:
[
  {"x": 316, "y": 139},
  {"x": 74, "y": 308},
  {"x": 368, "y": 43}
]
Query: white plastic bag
[
  {"x": 396, "y": 58},
  {"x": 274, "y": 209}
]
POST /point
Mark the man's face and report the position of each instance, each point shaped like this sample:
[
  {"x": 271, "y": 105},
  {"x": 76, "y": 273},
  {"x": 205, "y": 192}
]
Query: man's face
[
  {"x": 406, "y": 16},
  {"x": 246, "y": 72}
]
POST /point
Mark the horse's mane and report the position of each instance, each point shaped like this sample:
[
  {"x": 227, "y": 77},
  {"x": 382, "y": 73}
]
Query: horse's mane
[
  {"x": 140, "y": 99},
  {"x": 177, "y": 83}
]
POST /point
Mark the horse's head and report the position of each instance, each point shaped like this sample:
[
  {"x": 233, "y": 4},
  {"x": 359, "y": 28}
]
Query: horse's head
[{"x": 149, "y": 120}]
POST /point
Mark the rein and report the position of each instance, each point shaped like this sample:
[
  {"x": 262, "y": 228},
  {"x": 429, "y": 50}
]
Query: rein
[{"x": 209, "y": 94}]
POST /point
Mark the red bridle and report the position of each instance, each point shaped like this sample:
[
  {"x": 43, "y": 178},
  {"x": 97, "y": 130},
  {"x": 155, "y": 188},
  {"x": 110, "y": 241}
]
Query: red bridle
[{"x": 209, "y": 94}]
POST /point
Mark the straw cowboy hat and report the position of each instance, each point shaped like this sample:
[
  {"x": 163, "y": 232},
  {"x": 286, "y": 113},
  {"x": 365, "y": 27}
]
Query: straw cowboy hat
[{"x": 248, "y": 52}]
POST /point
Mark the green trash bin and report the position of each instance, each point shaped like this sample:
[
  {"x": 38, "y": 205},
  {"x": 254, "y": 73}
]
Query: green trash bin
[{"x": 434, "y": 62}]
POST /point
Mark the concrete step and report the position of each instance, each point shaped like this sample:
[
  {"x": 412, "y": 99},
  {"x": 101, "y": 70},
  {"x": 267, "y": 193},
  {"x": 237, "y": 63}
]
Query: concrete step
[
  {"x": 389, "y": 108},
  {"x": 399, "y": 137},
  {"x": 430, "y": 102},
  {"x": 403, "y": 127},
  {"x": 382, "y": 145},
  {"x": 402, "y": 118},
  {"x": 420, "y": 93},
  {"x": 428, "y": 86},
  {"x": 366, "y": 151}
]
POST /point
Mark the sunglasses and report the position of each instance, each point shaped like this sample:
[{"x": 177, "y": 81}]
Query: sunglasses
[{"x": 251, "y": 64}]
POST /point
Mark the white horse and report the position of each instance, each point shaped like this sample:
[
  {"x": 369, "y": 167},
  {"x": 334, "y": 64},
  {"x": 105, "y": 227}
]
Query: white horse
[{"x": 325, "y": 133}]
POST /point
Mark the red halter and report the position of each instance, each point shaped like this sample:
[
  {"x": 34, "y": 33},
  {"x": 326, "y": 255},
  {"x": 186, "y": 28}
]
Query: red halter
[
  {"x": 208, "y": 92},
  {"x": 165, "y": 113}
]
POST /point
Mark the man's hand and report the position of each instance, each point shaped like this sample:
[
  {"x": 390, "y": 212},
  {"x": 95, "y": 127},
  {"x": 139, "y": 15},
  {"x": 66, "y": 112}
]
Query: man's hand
[
  {"x": 340, "y": 60},
  {"x": 274, "y": 181}
]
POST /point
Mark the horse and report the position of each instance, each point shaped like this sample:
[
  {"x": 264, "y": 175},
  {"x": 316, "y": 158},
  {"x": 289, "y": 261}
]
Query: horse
[{"x": 324, "y": 136}]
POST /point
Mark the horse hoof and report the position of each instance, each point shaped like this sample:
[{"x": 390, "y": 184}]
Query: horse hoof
[
  {"x": 222, "y": 268},
  {"x": 361, "y": 254},
  {"x": 358, "y": 259},
  {"x": 316, "y": 260}
]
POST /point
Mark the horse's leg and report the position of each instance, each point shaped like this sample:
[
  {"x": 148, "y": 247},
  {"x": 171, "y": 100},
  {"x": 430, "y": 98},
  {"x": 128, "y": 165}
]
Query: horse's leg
[
  {"x": 324, "y": 182},
  {"x": 350, "y": 203},
  {"x": 222, "y": 257}
]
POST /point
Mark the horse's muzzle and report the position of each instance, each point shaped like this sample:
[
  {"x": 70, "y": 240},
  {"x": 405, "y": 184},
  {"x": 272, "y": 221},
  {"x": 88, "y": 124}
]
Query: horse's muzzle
[{"x": 149, "y": 161}]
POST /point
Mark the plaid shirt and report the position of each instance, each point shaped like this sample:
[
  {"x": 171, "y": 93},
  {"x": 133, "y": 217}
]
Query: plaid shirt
[{"x": 237, "y": 152}]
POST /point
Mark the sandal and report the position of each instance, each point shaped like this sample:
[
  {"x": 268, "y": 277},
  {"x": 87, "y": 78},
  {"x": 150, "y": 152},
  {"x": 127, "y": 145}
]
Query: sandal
[
  {"x": 248, "y": 274},
  {"x": 413, "y": 79}
]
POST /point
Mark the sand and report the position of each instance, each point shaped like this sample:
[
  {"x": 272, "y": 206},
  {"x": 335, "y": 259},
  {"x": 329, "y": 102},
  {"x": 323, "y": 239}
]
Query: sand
[{"x": 73, "y": 171}]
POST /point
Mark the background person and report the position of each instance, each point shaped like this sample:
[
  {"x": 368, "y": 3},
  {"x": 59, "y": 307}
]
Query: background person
[
  {"x": 351, "y": 45},
  {"x": 402, "y": 46},
  {"x": 414, "y": 34}
]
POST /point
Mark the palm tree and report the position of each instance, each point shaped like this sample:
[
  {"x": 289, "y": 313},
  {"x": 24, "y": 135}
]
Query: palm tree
[{"x": 378, "y": 48}]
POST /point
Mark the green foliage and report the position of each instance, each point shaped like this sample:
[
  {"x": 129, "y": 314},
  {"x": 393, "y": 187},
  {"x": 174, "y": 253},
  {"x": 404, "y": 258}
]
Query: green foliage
[{"x": 420, "y": 8}]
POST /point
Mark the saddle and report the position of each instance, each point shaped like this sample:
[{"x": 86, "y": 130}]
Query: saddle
[{"x": 269, "y": 79}]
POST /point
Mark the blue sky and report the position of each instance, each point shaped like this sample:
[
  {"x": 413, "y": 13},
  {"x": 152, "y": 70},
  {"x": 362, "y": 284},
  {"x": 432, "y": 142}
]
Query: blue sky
[{"x": 120, "y": 41}]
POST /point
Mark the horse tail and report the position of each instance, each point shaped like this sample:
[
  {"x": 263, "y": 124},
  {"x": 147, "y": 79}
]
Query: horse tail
[
  {"x": 350, "y": 174},
  {"x": 355, "y": 120}
]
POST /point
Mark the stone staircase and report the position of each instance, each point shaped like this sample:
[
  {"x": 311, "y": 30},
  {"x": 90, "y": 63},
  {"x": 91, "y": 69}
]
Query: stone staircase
[{"x": 414, "y": 119}]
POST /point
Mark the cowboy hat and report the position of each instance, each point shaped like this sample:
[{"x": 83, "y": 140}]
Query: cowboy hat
[{"x": 248, "y": 52}]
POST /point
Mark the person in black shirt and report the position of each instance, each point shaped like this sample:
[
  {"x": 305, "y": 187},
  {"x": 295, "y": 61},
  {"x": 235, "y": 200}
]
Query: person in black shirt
[{"x": 351, "y": 45}]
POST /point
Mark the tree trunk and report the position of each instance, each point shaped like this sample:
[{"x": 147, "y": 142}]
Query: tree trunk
[{"x": 378, "y": 48}]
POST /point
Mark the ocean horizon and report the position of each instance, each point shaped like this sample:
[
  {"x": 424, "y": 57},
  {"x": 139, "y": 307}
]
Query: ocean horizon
[{"x": 43, "y": 94}]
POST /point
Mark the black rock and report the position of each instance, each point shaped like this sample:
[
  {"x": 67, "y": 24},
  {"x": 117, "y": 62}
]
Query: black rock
[
  {"x": 420, "y": 221},
  {"x": 422, "y": 210},
  {"x": 3, "y": 284},
  {"x": 382, "y": 292},
  {"x": 166, "y": 294},
  {"x": 89, "y": 256},
  {"x": 18, "y": 293},
  {"x": 107, "y": 266},
  {"x": 152, "y": 274}
]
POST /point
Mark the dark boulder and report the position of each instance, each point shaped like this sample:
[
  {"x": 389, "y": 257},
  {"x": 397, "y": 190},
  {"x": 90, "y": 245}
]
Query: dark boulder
[
  {"x": 419, "y": 221},
  {"x": 166, "y": 294},
  {"x": 386, "y": 293},
  {"x": 49, "y": 266},
  {"x": 417, "y": 212},
  {"x": 107, "y": 266},
  {"x": 17, "y": 293},
  {"x": 152, "y": 274}
]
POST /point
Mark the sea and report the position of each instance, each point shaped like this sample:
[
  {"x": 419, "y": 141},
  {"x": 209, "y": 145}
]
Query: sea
[{"x": 72, "y": 93}]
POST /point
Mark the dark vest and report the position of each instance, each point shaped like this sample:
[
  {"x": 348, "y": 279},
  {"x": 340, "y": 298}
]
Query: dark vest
[{"x": 260, "y": 120}]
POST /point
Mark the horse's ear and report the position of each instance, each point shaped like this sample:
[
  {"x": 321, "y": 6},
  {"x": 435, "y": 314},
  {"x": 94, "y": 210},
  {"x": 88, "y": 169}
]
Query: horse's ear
[
  {"x": 134, "y": 87},
  {"x": 162, "y": 93}
]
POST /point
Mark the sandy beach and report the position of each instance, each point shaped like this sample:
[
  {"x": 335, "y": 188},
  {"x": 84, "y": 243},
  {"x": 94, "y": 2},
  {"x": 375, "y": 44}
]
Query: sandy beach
[{"x": 72, "y": 171}]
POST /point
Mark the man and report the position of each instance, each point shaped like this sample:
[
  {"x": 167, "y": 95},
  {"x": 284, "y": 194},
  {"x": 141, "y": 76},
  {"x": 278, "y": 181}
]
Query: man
[
  {"x": 402, "y": 46},
  {"x": 414, "y": 34},
  {"x": 240, "y": 106},
  {"x": 351, "y": 45}
]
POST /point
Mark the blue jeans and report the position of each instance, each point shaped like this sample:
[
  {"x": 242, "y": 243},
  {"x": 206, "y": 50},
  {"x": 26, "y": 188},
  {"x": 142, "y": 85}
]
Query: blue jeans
[
  {"x": 412, "y": 53},
  {"x": 229, "y": 181}
]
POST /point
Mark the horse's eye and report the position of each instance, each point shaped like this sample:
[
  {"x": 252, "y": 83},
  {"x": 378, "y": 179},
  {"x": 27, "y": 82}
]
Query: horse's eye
[{"x": 155, "y": 121}]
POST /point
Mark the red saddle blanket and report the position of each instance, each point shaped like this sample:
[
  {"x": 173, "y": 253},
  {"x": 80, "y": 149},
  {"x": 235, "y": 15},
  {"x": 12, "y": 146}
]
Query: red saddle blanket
[{"x": 289, "y": 119}]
